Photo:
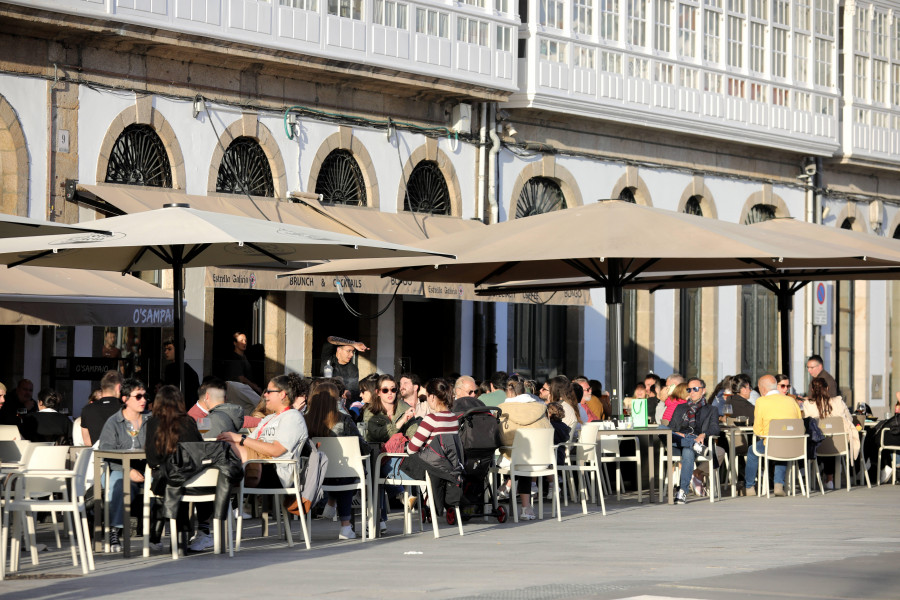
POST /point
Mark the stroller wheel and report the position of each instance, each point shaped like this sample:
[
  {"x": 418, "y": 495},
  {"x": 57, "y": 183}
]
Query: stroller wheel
[
  {"x": 451, "y": 516},
  {"x": 501, "y": 514}
]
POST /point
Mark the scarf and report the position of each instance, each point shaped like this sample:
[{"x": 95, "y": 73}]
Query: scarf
[{"x": 691, "y": 415}]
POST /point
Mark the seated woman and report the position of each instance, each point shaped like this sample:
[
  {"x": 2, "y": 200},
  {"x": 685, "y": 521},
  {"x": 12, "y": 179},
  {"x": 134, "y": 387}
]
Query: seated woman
[
  {"x": 820, "y": 406},
  {"x": 561, "y": 391},
  {"x": 691, "y": 424},
  {"x": 281, "y": 434},
  {"x": 368, "y": 387},
  {"x": 436, "y": 448},
  {"x": 521, "y": 411},
  {"x": 124, "y": 431},
  {"x": 385, "y": 416},
  {"x": 47, "y": 425},
  {"x": 323, "y": 419},
  {"x": 168, "y": 426}
]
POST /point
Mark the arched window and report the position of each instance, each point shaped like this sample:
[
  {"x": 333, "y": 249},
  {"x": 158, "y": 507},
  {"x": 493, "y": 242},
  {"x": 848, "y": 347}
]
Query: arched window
[
  {"x": 139, "y": 158},
  {"x": 759, "y": 324},
  {"x": 627, "y": 194},
  {"x": 691, "y": 310},
  {"x": 340, "y": 180},
  {"x": 539, "y": 195},
  {"x": 539, "y": 343},
  {"x": 426, "y": 190},
  {"x": 245, "y": 169}
]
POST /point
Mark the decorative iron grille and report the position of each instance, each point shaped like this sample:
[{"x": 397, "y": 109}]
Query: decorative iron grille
[
  {"x": 692, "y": 206},
  {"x": 539, "y": 195},
  {"x": 245, "y": 170},
  {"x": 340, "y": 180},
  {"x": 139, "y": 158},
  {"x": 426, "y": 190}
]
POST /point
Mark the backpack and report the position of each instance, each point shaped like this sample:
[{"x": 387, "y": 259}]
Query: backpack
[{"x": 479, "y": 429}]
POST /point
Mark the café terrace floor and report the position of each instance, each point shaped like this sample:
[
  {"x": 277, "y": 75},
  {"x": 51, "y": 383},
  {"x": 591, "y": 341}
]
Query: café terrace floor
[{"x": 841, "y": 545}]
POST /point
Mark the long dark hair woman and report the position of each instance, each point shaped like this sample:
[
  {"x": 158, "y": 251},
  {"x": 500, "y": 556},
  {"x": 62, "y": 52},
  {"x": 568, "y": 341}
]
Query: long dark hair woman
[
  {"x": 820, "y": 405},
  {"x": 323, "y": 419},
  {"x": 169, "y": 425}
]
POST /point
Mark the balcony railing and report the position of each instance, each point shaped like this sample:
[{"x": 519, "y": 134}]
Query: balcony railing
[{"x": 426, "y": 39}]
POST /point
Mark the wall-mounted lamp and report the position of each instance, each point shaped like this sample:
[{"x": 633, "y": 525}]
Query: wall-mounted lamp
[
  {"x": 199, "y": 105},
  {"x": 509, "y": 129},
  {"x": 876, "y": 214}
]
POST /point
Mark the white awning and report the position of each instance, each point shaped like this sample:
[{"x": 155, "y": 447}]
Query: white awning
[{"x": 50, "y": 296}]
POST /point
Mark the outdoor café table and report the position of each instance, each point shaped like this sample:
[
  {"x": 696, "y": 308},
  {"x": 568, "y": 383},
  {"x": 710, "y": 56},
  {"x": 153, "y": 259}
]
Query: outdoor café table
[
  {"x": 654, "y": 433},
  {"x": 732, "y": 431},
  {"x": 126, "y": 456}
]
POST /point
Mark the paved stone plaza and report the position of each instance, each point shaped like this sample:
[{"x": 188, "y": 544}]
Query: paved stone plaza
[{"x": 842, "y": 545}]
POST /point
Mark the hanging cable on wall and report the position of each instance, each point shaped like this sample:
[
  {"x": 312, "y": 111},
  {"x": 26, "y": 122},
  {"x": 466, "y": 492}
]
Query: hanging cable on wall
[{"x": 356, "y": 313}]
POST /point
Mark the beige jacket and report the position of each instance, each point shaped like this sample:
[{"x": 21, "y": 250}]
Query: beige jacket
[
  {"x": 838, "y": 409},
  {"x": 521, "y": 415}
]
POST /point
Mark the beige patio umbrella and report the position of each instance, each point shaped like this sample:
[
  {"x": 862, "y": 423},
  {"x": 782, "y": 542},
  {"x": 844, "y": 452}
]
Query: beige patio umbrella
[
  {"x": 15, "y": 226},
  {"x": 178, "y": 237},
  {"x": 612, "y": 244}
]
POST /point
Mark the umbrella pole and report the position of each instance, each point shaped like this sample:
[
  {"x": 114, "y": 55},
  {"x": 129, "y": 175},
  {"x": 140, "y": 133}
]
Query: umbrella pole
[
  {"x": 614, "y": 335},
  {"x": 785, "y": 297},
  {"x": 178, "y": 284}
]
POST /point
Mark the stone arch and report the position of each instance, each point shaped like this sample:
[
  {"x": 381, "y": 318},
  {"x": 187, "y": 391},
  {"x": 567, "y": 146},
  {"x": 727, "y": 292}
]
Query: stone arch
[
  {"x": 430, "y": 151},
  {"x": 249, "y": 126},
  {"x": 143, "y": 113},
  {"x": 345, "y": 140},
  {"x": 546, "y": 167},
  {"x": 697, "y": 187},
  {"x": 15, "y": 168},
  {"x": 893, "y": 228},
  {"x": 851, "y": 212},
  {"x": 631, "y": 179},
  {"x": 766, "y": 197}
]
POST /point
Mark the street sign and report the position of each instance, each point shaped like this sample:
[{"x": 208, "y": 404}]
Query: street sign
[{"x": 820, "y": 304}]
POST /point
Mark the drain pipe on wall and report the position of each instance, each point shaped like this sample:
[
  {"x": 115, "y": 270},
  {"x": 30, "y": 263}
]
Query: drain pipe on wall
[
  {"x": 492, "y": 167},
  {"x": 482, "y": 158}
]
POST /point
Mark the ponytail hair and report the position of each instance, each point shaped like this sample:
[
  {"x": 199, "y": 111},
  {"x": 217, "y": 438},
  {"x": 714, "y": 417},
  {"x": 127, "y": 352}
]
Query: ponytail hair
[{"x": 442, "y": 390}]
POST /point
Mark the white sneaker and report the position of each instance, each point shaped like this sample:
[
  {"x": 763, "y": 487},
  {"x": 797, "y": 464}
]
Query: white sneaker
[
  {"x": 527, "y": 514},
  {"x": 886, "y": 474},
  {"x": 330, "y": 512},
  {"x": 241, "y": 514},
  {"x": 503, "y": 494},
  {"x": 829, "y": 485},
  {"x": 115, "y": 546},
  {"x": 382, "y": 527},
  {"x": 697, "y": 486},
  {"x": 202, "y": 541},
  {"x": 347, "y": 533},
  {"x": 534, "y": 489}
]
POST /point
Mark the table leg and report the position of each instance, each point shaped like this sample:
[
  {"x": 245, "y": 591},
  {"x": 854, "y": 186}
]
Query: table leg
[
  {"x": 651, "y": 456},
  {"x": 671, "y": 475},
  {"x": 126, "y": 514},
  {"x": 98, "y": 506},
  {"x": 732, "y": 460}
]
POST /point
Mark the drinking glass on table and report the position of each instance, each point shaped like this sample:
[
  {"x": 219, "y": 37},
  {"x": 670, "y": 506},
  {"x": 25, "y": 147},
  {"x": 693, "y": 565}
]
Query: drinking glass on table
[
  {"x": 203, "y": 425},
  {"x": 729, "y": 409},
  {"x": 132, "y": 431}
]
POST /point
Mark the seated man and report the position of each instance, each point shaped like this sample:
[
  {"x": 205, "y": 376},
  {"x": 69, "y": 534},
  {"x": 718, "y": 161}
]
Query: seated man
[
  {"x": 691, "y": 424},
  {"x": 47, "y": 425},
  {"x": 464, "y": 390},
  {"x": 771, "y": 405},
  {"x": 209, "y": 394}
]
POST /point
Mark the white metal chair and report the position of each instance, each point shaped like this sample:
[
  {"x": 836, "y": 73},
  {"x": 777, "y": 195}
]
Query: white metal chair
[
  {"x": 9, "y": 433},
  {"x": 786, "y": 442},
  {"x": 586, "y": 464},
  {"x": 345, "y": 460},
  {"x": 532, "y": 455},
  {"x": 206, "y": 479},
  {"x": 714, "y": 488},
  {"x": 424, "y": 485},
  {"x": 281, "y": 514},
  {"x": 895, "y": 450},
  {"x": 610, "y": 453},
  {"x": 32, "y": 489},
  {"x": 836, "y": 444}
]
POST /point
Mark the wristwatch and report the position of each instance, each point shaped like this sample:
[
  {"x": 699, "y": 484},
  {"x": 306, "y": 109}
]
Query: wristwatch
[{"x": 243, "y": 438}]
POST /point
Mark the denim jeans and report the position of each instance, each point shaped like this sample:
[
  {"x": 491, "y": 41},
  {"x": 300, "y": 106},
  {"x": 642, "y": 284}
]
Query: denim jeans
[
  {"x": 114, "y": 495},
  {"x": 685, "y": 442},
  {"x": 753, "y": 464},
  {"x": 391, "y": 468}
]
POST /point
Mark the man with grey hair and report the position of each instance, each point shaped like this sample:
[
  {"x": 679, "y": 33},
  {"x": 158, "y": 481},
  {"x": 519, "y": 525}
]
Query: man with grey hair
[
  {"x": 771, "y": 405},
  {"x": 465, "y": 391}
]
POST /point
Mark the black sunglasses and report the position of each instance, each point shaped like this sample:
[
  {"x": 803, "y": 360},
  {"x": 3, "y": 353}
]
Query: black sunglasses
[
  {"x": 392, "y": 390},
  {"x": 695, "y": 389}
]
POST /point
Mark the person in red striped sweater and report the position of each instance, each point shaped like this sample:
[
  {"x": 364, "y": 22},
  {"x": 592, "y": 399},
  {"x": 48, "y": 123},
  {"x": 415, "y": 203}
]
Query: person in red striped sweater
[{"x": 435, "y": 447}]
